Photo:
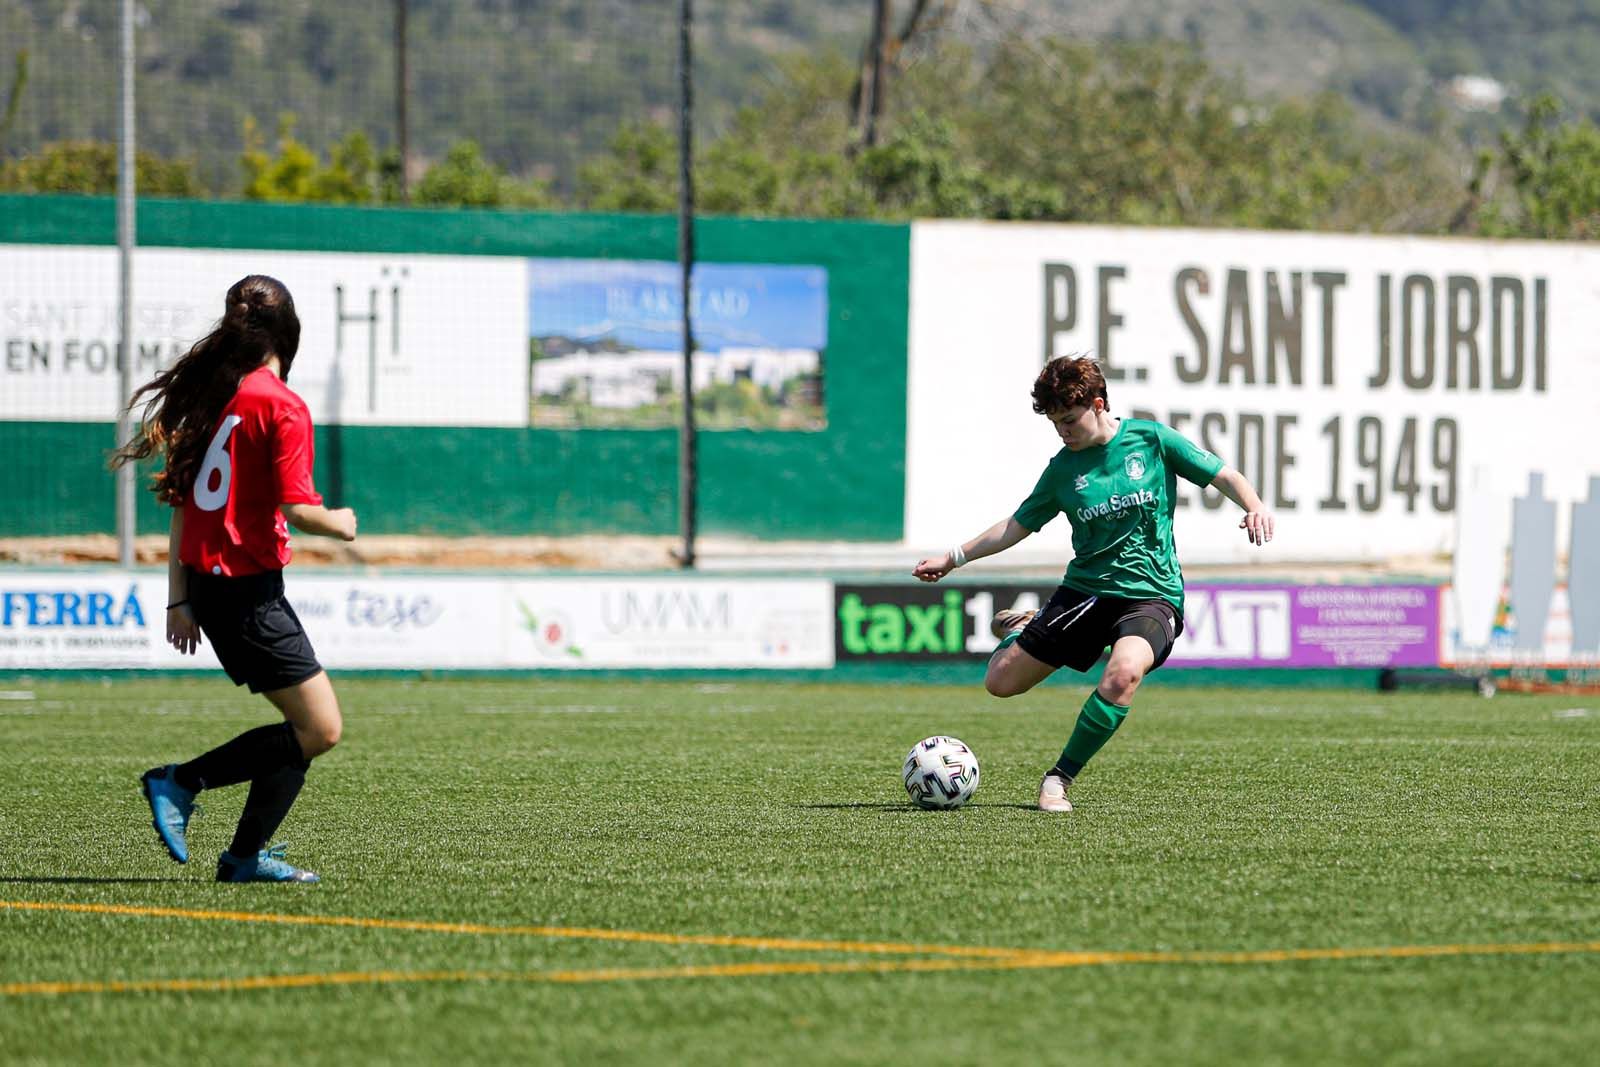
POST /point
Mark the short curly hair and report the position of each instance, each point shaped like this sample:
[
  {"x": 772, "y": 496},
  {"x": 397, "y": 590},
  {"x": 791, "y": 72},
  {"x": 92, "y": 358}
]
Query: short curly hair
[{"x": 1068, "y": 382}]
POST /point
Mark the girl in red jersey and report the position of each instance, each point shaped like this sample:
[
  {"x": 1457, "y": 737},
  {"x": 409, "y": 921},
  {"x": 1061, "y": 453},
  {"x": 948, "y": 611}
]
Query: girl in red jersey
[{"x": 238, "y": 448}]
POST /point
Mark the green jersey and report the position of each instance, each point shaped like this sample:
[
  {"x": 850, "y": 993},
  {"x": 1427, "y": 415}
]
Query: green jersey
[{"x": 1119, "y": 497}]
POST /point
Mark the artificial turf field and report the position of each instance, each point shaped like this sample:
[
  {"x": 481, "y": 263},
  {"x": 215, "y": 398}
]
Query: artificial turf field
[{"x": 676, "y": 872}]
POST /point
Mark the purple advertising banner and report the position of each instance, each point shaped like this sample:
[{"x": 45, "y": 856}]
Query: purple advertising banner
[{"x": 1309, "y": 626}]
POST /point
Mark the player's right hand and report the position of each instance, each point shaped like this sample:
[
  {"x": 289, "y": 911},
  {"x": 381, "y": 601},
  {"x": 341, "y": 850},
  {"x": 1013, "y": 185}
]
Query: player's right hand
[{"x": 933, "y": 568}]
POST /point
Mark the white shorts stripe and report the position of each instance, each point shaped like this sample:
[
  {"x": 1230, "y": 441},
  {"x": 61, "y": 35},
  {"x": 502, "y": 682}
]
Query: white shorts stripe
[{"x": 1067, "y": 618}]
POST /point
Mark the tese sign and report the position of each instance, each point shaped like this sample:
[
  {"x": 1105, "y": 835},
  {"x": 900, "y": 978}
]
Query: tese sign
[{"x": 85, "y": 621}]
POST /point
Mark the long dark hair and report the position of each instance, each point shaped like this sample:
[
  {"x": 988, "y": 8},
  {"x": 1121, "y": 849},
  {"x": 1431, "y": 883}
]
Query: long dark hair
[{"x": 186, "y": 400}]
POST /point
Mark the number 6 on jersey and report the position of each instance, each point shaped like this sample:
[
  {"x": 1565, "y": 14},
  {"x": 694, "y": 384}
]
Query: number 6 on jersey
[{"x": 216, "y": 459}]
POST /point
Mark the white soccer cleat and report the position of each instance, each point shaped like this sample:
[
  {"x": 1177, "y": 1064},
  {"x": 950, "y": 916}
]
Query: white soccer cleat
[
  {"x": 1006, "y": 620},
  {"x": 1053, "y": 793}
]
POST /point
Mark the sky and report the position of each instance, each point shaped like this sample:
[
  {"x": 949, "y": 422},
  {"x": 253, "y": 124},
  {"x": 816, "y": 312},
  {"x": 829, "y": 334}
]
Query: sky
[{"x": 636, "y": 302}]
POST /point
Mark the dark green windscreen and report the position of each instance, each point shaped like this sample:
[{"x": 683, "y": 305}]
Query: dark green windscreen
[{"x": 844, "y": 482}]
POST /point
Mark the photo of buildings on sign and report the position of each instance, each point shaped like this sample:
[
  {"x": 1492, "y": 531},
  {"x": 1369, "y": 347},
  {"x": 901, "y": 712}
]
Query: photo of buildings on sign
[{"x": 605, "y": 345}]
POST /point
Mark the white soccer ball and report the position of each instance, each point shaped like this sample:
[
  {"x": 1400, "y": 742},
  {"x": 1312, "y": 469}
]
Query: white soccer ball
[{"x": 940, "y": 772}]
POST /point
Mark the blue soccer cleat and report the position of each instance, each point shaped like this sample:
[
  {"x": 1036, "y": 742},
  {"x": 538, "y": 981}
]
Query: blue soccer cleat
[
  {"x": 171, "y": 805},
  {"x": 268, "y": 865}
]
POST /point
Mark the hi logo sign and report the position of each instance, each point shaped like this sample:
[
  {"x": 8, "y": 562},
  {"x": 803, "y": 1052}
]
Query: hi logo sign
[{"x": 348, "y": 311}]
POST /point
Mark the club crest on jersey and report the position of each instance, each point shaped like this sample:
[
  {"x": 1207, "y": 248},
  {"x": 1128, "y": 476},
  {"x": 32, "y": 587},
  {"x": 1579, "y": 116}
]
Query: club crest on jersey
[
  {"x": 1134, "y": 465},
  {"x": 1081, "y": 482}
]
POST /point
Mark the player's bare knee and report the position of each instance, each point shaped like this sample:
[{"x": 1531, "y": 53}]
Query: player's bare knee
[
  {"x": 318, "y": 737},
  {"x": 330, "y": 727},
  {"x": 1118, "y": 683}
]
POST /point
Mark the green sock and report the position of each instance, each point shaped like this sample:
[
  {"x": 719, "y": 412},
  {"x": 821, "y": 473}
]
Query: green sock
[
  {"x": 1097, "y": 721},
  {"x": 1006, "y": 642}
]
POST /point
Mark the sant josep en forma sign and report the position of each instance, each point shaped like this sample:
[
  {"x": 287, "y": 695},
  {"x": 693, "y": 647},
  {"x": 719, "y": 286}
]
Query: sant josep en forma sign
[
  {"x": 1362, "y": 383},
  {"x": 385, "y": 339}
]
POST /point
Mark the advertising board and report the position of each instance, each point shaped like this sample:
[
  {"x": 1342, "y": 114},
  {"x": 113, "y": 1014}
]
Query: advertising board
[
  {"x": 1234, "y": 625},
  {"x": 114, "y": 619},
  {"x": 385, "y": 339},
  {"x": 1357, "y": 381}
]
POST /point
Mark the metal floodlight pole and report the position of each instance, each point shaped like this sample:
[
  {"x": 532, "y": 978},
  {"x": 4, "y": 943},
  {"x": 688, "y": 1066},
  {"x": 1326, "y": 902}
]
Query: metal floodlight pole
[
  {"x": 687, "y": 467},
  {"x": 127, "y": 474}
]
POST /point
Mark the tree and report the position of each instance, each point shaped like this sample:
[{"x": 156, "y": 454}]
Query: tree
[
  {"x": 356, "y": 174},
  {"x": 883, "y": 59},
  {"x": 640, "y": 172},
  {"x": 19, "y": 82},
  {"x": 295, "y": 174},
  {"x": 1553, "y": 170},
  {"x": 1131, "y": 133},
  {"x": 465, "y": 179},
  {"x": 90, "y": 167}
]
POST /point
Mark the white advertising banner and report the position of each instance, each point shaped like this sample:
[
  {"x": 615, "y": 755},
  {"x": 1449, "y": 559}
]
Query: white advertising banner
[
  {"x": 1551, "y": 645},
  {"x": 671, "y": 622},
  {"x": 1361, "y": 383},
  {"x": 117, "y": 619},
  {"x": 385, "y": 339},
  {"x": 82, "y": 619}
]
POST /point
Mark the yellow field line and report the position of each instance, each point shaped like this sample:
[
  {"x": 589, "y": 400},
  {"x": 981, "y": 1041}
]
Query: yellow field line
[
  {"x": 606, "y": 974},
  {"x": 741, "y": 970},
  {"x": 1038, "y": 957},
  {"x": 784, "y": 944},
  {"x": 1383, "y": 952}
]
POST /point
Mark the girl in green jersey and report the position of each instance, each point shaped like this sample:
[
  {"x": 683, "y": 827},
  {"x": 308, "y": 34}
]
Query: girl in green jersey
[{"x": 1116, "y": 481}]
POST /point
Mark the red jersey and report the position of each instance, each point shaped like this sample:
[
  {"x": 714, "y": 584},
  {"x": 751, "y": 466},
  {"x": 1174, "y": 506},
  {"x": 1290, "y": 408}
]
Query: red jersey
[{"x": 259, "y": 458}]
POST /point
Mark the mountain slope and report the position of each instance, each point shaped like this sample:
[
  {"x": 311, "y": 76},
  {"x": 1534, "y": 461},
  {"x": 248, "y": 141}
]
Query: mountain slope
[{"x": 542, "y": 84}]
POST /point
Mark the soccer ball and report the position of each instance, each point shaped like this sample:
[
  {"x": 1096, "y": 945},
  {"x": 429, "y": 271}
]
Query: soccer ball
[{"x": 940, "y": 772}]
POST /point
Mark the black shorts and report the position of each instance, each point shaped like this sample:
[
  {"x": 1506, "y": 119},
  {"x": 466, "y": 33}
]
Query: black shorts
[
  {"x": 252, "y": 629},
  {"x": 1075, "y": 627}
]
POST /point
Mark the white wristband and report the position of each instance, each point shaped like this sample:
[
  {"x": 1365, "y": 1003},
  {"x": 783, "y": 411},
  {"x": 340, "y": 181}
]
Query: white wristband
[{"x": 958, "y": 557}]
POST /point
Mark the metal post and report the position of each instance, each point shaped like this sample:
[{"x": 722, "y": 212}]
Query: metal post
[
  {"x": 127, "y": 474},
  {"x": 402, "y": 90},
  {"x": 687, "y": 467}
]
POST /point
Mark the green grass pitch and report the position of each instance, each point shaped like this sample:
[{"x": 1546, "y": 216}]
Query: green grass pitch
[{"x": 561, "y": 820}]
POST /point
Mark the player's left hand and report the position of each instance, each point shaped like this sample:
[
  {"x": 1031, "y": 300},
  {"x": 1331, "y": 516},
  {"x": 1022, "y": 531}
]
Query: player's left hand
[
  {"x": 183, "y": 633},
  {"x": 1257, "y": 526},
  {"x": 933, "y": 568}
]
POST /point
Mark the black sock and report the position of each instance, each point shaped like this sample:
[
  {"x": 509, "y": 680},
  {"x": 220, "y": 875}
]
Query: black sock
[
  {"x": 269, "y": 801},
  {"x": 253, "y": 754},
  {"x": 1067, "y": 768}
]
